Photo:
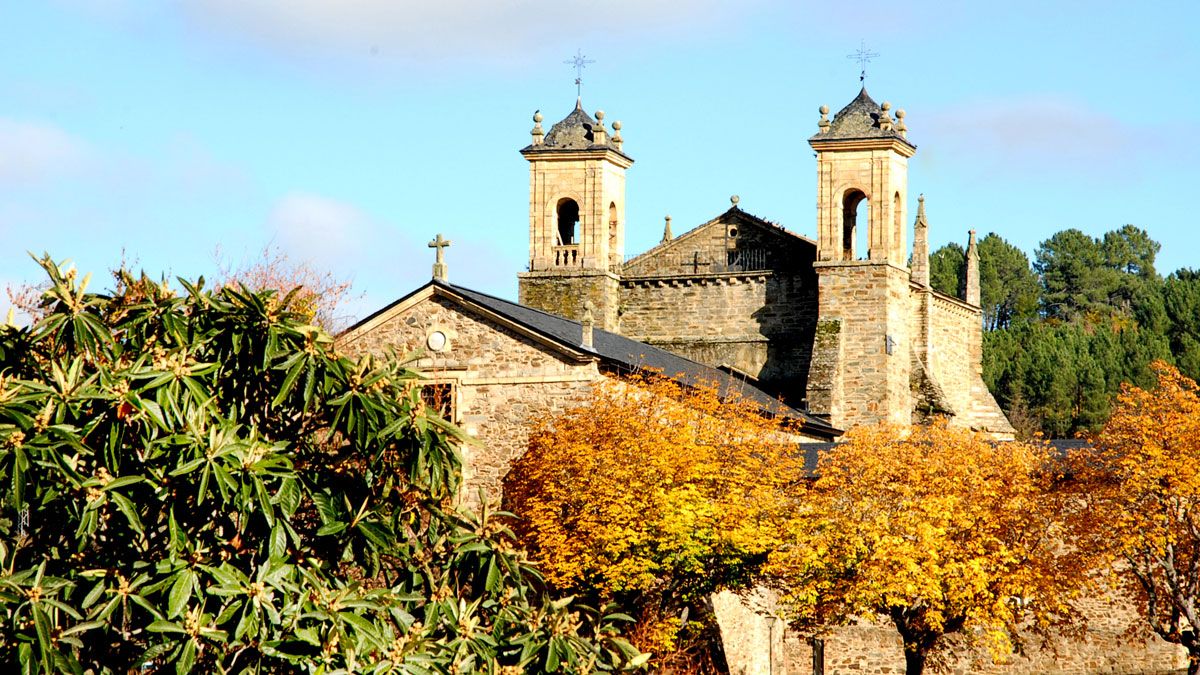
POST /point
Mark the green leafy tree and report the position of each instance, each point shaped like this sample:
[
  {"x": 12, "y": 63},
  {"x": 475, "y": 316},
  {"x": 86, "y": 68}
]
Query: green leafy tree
[
  {"x": 1008, "y": 288},
  {"x": 198, "y": 482},
  {"x": 948, "y": 269}
]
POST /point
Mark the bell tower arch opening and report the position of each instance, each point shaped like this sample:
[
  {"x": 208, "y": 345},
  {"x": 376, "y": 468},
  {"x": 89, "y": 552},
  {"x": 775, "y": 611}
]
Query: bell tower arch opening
[
  {"x": 856, "y": 208},
  {"x": 567, "y": 212},
  {"x": 615, "y": 252}
]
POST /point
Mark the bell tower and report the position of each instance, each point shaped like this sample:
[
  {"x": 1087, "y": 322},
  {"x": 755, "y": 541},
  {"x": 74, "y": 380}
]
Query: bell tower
[
  {"x": 576, "y": 217},
  {"x": 861, "y": 360}
]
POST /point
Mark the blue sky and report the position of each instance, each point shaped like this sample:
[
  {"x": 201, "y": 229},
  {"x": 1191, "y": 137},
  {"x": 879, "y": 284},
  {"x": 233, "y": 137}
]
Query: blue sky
[{"x": 349, "y": 132}]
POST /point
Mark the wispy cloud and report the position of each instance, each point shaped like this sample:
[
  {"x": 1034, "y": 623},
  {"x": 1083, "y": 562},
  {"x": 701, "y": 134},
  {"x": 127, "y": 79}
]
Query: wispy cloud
[
  {"x": 451, "y": 30},
  {"x": 323, "y": 230},
  {"x": 1036, "y": 135},
  {"x": 32, "y": 151}
]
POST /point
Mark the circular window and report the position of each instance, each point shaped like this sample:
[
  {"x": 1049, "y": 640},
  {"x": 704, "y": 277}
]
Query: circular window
[
  {"x": 733, "y": 231},
  {"x": 437, "y": 341}
]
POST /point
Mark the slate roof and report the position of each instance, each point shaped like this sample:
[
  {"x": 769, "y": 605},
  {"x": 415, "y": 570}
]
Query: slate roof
[
  {"x": 625, "y": 355},
  {"x": 858, "y": 120},
  {"x": 620, "y": 353},
  {"x": 573, "y": 132}
]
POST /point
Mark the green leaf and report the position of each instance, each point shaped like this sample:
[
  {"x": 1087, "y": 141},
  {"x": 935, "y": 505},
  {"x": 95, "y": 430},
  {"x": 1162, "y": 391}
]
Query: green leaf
[
  {"x": 181, "y": 592},
  {"x": 187, "y": 658},
  {"x": 288, "y": 496},
  {"x": 121, "y": 482}
]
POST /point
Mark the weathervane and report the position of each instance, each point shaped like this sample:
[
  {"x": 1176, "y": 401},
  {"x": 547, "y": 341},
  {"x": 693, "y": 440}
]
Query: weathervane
[
  {"x": 579, "y": 61},
  {"x": 863, "y": 56}
]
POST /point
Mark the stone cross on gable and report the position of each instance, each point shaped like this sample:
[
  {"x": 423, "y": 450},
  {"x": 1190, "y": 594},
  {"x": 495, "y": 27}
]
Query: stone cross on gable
[{"x": 439, "y": 264}]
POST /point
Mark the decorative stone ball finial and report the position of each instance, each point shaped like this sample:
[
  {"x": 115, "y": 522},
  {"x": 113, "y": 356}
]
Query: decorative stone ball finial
[
  {"x": 599, "y": 133},
  {"x": 616, "y": 139},
  {"x": 537, "y": 133},
  {"x": 885, "y": 119},
  {"x": 734, "y": 200},
  {"x": 900, "y": 125},
  {"x": 667, "y": 235},
  {"x": 824, "y": 122}
]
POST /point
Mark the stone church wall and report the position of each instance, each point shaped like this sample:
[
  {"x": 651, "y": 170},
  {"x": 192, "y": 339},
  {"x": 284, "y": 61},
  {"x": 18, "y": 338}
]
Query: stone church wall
[
  {"x": 950, "y": 324},
  {"x": 761, "y": 323},
  {"x": 875, "y": 649},
  {"x": 503, "y": 381}
]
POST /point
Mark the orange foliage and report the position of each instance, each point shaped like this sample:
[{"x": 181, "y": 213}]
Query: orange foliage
[
  {"x": 1140, "y": 490},
  {"x": 937, "y": 528},
  {"x": 653, "y": 494}
]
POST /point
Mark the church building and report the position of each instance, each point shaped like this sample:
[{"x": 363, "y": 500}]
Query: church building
[
  {"x": 833, "y": 331},
  {"x": 842, "y": 326}
]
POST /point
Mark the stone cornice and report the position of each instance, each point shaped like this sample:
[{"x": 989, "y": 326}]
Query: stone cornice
[
  {"x": 896, "y": 145},
  {"x": 620, "y": 159},
  {"x": 826, "y": 264},
  {"x": 759, "y": 276}
]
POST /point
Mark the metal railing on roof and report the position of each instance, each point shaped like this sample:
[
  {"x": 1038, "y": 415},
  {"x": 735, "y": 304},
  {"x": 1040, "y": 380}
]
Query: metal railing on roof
[{"x": 707, "y": 262}]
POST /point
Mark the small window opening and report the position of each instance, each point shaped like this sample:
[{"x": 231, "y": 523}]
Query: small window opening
[
  {"x": 612, "y": 231},
  {"x": 439, "y": 397},
  {"x": 897, "y": 223},
  {"x": 568, "y": 219},
  {"x": 855, "y": 209}
]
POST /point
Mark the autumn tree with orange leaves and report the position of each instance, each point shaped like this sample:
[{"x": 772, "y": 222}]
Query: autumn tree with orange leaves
[
  {"x": 938, "y": 529},
  {"x": 654, "y": 496},
  {"x": 1140, "y": 490}
]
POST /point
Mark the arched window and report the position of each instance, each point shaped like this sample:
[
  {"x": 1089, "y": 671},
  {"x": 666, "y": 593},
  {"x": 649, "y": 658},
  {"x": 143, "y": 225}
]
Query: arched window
[
  {"x": 568, "y": 218},
  {"x": 851, "y": 216},
  {"x": 612, "y": 232},
  {"x": 897, "y": 224}
]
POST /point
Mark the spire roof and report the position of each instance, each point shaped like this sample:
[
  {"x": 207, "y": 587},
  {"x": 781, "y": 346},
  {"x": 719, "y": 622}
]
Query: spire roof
[
  {"x": 863, "y": 118},
  {"x": 576, "y": 131}
]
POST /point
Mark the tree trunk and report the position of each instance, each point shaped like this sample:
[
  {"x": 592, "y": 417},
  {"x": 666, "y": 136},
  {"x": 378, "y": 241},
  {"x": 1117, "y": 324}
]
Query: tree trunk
[{"x": 914, "y": 661}]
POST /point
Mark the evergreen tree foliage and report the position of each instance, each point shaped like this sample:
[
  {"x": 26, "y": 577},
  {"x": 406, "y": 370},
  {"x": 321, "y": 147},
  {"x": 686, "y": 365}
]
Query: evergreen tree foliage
[
  {"x": 948, "y": 269},
  {"x": 199, "y": 482},
  {"x": 1103, "y": 315},
  {"x": 1008, "y": 288}
]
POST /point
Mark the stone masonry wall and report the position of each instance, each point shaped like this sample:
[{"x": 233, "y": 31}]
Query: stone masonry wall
[
  {"x": 760, "y": 323},
  {"x": 503, "y": 381},
  {"x": 875, "y": 649},
  {"x": 708, "y": 248},
  {"x": 871, "y": 301},
  {"x": 950, "y": 324},
  {"x": 566, "y": 292}
]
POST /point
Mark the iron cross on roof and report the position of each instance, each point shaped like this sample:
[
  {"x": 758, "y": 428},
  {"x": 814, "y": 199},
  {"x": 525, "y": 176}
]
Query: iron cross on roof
[
  {"x": 863, "y": 56},
  {"x": 579, "y": 61}
]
